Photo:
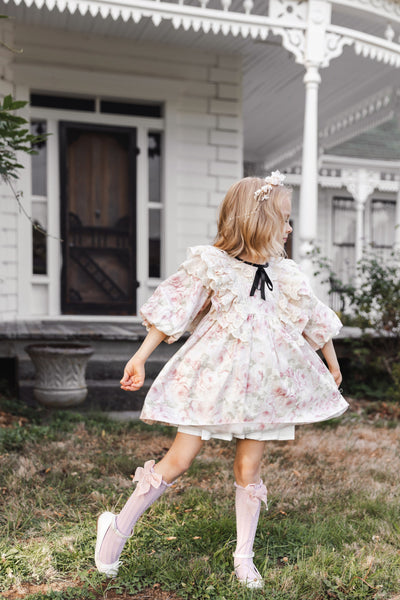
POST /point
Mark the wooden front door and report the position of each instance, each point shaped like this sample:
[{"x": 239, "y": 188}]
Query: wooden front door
[{"x": 98, "y": 219}]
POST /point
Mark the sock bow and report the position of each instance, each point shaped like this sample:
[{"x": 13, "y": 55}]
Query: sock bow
[
  {"x": 256, "y": 493},
  {"x": 146, "y": 478}
]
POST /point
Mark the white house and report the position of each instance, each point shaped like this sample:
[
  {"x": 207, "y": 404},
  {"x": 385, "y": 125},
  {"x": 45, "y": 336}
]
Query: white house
[{"x": 155, "y": 107}]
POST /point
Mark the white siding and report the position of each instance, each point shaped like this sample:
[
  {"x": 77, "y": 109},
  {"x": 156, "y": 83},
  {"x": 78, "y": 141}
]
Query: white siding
[
  {"x": 8, "y": 205},
  {"x": 6, "y": 57},
  {"x": 8, "y": 253},
  {"x": 210, "y": 151}
]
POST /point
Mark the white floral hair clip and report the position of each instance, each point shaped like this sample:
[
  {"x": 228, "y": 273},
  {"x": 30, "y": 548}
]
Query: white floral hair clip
[{"x": 263, "y": 193}]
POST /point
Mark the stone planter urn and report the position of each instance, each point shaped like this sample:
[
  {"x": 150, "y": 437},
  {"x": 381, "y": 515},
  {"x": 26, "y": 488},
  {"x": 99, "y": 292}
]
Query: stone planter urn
[{"x": 60, "y": 373}]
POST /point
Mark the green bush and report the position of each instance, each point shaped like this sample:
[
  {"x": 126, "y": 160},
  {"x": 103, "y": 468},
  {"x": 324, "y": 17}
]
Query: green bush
[{"x": 372, "y": 303}]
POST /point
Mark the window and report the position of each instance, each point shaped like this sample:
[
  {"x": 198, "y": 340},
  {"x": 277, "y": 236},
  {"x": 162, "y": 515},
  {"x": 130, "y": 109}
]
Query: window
[
  {"x": 131, "y": 108},
  {"x": 344, "y": 235},
  {"x": 383, "y": 218},
  {"x": 63, "y": 102},
  {"x": 154, "y": 149},
  {"x": 344, "y": 252},
  {"x": 115, "y": 107},
  {"x": 39, "y": 201}
]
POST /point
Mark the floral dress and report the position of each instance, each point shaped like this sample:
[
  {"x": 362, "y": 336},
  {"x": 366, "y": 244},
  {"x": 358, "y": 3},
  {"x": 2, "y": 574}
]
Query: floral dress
[{"x": 249, "y": 369}]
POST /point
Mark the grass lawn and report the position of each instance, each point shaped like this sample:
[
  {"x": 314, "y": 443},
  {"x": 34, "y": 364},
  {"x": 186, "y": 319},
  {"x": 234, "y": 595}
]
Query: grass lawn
[{"x": 332, "y": 530}]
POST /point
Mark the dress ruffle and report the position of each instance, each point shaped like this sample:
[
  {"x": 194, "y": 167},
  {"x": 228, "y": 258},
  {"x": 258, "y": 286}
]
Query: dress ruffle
[
  {"x": 209, "y": 264},
  {"x": 300, "y": 309}
]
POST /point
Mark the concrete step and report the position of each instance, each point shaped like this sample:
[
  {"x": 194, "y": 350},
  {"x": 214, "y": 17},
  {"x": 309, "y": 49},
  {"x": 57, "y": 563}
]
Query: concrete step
[
  {"x": 99, "y": 367},
  {"x": 105, "y": 395}
]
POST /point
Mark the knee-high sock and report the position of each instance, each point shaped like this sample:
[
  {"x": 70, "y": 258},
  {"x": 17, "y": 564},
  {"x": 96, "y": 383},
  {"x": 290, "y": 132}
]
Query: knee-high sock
[
  {"x": 149, "y": 488},
  {"x": 248, "y": 504}
]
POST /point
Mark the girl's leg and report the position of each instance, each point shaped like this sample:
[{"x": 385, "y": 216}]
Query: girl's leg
[
  {"x": 247, "y": 463},
  {"x": 250, "y": 492},
  {"x": 152, "y": 482},
  {"x": 179, "y": 457}
]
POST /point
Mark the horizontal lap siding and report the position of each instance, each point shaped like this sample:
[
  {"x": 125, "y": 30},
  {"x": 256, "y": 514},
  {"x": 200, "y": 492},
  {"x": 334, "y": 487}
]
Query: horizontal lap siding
[
  {"x": 8, "y": 253},
  {"x": 8, "y": 204},
  {"x": 209, "y": 149}
]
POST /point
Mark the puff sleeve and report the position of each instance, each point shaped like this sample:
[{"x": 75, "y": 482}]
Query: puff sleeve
[
  {"x": 322, "y": 325},
  {"x": 300, "y": 307},
  {"x": 178, "y": 303}
]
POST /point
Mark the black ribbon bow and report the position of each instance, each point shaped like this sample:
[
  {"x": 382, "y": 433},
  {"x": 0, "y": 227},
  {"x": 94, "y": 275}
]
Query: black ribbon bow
[{"x": 260, "y": 278}]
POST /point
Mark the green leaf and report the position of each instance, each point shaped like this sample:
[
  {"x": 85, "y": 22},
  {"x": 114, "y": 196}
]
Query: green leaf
[
  {"x": 15, "y": 136},
  {"x": 7, "y": 102},
  {"x": 11, "y": 119},
  {"x": 17, "y": 104}
]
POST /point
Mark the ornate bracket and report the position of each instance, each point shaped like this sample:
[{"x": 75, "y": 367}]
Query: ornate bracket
[
  {"x": 305, "y": 30},
  {"x": 361, "y": 183},
  {"x": 293, "y": 40},
  {"x": 294, "y": 14},
  {"x": 334, "y": 45}
]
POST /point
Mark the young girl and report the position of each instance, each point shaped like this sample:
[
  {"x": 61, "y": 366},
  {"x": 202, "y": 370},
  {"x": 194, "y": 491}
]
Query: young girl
[{"x": 249, "y": 370}]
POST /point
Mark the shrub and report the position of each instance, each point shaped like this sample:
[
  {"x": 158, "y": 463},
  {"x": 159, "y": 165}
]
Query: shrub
[{"x": 371, "y": 302}]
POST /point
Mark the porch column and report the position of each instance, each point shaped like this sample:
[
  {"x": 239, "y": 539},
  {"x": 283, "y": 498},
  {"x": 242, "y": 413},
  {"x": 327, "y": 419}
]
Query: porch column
[
  {"x": 309, "y": 179},
  {"x": 360, "y": 183},
  {"x": 359, "y": 241},
  {"x": 397, "y": 222}
]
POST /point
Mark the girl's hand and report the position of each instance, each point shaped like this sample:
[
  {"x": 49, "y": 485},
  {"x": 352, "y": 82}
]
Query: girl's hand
[
  {"x": 331, "y": 360},
  {"x": 133, "y": 378},
  {"x": 134, "y": 374},
  {"x": 336, "y": 374}
]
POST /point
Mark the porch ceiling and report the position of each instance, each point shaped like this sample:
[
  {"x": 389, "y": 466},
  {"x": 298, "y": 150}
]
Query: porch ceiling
[
  {"x": 274, "y": 98},
  {"x": 273, "y": 90}
]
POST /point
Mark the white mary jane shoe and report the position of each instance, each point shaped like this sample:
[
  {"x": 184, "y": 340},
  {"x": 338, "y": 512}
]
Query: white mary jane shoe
[
  {"x": 106, "y": 520},
  {"x": 247, "y": 574}
]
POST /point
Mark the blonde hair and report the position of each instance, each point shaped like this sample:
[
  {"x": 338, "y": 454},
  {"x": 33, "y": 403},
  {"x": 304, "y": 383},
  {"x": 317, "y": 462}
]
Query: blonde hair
[{"x": 251, "y": 227}]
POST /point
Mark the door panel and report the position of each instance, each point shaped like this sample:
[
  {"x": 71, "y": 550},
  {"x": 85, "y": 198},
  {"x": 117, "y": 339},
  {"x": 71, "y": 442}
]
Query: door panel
[{"x": 98, "y": 183}]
